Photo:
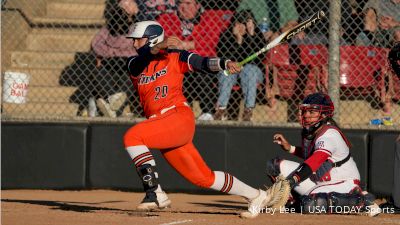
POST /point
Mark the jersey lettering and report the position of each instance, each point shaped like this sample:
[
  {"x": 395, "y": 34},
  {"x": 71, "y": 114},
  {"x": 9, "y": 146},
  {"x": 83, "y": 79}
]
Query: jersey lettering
[
  {"x": 148, "y": 79},
  {"x": 320, "y": 144},
  {"x": 159, "y": 84}
]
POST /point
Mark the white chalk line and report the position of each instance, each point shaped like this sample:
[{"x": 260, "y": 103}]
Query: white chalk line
[{"x": 177, "y": 222}]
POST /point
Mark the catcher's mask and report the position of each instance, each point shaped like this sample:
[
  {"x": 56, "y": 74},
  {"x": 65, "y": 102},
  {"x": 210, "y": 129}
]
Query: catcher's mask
[
  {"x": 394, "y": 59},
  {"x": 151, "y": 30},
  {"x": 317, "y": 104}
]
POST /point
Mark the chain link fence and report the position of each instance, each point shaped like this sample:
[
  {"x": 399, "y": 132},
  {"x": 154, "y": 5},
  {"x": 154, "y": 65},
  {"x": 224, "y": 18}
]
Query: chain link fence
[{"x": 64, "y": 60}]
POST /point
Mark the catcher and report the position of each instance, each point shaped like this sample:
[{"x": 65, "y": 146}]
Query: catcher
[{"x": 328, "y": 180}]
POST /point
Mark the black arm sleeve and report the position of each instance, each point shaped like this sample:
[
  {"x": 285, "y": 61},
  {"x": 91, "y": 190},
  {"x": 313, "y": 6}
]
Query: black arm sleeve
[
  {"x": 136, "y": 64},
  {"x": 303, "y": 172},
  {"x": 207, "y": 64},
  {"x": 298, "y": 149}
]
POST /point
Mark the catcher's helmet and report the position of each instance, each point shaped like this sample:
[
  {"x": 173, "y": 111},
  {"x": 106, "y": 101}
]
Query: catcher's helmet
[
  {"x": 394, "y": 59},
  {"x": 148, "y": 29},
  {"x": 318, "y": 102}
]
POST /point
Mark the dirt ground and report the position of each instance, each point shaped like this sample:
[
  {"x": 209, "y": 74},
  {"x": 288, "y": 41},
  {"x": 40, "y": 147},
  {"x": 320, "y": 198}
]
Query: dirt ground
[{"x": 98, "y": 207}]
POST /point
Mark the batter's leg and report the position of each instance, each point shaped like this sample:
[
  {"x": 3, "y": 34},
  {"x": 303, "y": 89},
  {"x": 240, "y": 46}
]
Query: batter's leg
[{"x": 187, "y": 161}]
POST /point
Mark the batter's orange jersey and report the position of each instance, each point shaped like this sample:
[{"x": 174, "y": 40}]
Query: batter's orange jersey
[{"x": 160, "y": 83}]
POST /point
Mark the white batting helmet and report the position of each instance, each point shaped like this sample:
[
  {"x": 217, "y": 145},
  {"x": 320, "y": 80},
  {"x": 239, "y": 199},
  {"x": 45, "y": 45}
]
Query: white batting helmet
[{"x": 148, "y": 29}]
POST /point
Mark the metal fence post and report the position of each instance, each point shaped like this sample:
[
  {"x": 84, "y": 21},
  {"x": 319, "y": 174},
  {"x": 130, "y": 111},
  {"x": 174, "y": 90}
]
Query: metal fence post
[{"x": 334, "y": 54}]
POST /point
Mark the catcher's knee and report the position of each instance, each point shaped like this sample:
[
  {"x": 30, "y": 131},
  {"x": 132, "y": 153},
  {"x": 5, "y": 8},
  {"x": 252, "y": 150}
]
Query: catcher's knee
[{"x": 273, "y": 167}]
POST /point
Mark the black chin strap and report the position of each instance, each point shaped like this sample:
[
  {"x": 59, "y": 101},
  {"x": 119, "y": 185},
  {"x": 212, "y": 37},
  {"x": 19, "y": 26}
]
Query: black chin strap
[{"x": 309, "y": 133}]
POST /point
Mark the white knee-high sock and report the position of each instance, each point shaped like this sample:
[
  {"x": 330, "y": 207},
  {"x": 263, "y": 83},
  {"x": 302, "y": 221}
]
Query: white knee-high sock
[
  {"x": 141, "y": 155},
  {"x": 227, "y": 183}
]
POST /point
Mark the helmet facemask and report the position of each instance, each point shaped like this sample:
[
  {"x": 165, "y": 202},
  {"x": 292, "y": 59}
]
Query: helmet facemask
[{"x": 319, "y": 112}]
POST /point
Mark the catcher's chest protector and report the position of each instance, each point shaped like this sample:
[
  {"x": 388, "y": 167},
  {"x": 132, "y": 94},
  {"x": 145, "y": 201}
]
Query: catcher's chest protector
[
  {"x": 309, "y": 144},
  {"x": 326, "y": 167}
]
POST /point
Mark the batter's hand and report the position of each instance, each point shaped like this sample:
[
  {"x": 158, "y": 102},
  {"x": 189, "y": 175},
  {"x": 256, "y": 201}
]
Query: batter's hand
[
  {"x": 233, "y": 67},
  {"x": 281, "y": 140}
]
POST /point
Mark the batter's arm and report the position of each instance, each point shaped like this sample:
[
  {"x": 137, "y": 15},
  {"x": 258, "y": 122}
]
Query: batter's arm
[
  {"x": 136, "y": 64},
  {"x": 208, "y": 64}
]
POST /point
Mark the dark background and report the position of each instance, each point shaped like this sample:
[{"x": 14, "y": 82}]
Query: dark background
[{"x": 84, "y": 156}]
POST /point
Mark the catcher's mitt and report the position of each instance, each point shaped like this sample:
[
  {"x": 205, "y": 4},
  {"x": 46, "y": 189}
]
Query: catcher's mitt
[
  {"x": 394, "y": 59},
  {"x": 279, "y": 193}
]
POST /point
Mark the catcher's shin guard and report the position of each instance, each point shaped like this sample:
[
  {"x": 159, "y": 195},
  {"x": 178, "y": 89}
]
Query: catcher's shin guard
[
  {"x": 310, "y": 203},
  {"x": 154, "y": 199},
  {"x": 339, "y": 203}
]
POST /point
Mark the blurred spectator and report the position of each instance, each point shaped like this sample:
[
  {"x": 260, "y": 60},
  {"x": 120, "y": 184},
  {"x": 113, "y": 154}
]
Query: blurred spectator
[
  {"x": 319, "y": 34},
  {"x": 199, "y": 31},
  {"x": 151, "y": 9},
  {"x": 391, "y": 80},
  {"x": 356, "y": 24},
  {"x": 382, "y": 29},
  {"x": 242, "y": 38},
  {"x": 80, "y": 74},
  {"x": 381, "y": 23},
  {"x": 394, "y": 59},
  {"x": 259, "y": 8},
  {"x": 112, "y": 48},
  {"x": 220, "y": 4},
  {"x": 198, "y": 28},
  {"x": 271, "y": 15}
]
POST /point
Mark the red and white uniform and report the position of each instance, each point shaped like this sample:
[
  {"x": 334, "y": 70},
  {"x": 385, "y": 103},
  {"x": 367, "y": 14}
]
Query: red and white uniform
[{"x": 329, "y": 144}]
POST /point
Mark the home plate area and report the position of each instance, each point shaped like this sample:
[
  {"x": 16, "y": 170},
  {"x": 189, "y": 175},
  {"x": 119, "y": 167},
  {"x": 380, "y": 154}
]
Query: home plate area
[{"x": 100, "y": 207}]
